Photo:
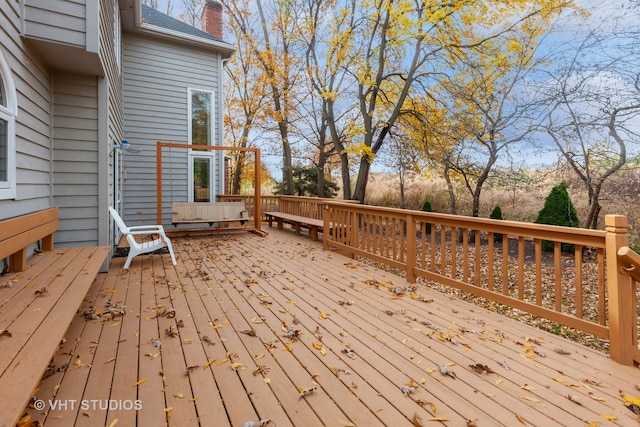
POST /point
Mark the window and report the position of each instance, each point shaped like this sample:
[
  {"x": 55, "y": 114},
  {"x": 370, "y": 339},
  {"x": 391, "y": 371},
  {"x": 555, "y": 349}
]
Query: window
[
  {"x": 8, "y": 110},
  {"x": 201, "y": 162},
  {"x": 201, "y": 123}
]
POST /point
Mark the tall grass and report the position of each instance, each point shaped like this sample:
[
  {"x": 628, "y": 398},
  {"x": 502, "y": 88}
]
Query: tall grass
[{"x": 519, "y": 201}]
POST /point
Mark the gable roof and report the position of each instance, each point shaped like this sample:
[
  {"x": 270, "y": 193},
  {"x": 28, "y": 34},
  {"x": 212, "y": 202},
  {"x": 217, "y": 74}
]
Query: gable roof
[
  {"x": 159, "y": 19},
  {"x": 141, "y": 19}
]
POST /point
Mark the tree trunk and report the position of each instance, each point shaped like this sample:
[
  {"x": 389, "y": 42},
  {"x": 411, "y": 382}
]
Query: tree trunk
[
  {"x": 361, "y": 182},
  {"x": 346, "y": 175},
  {"x": 237, "y": 172},
  {"x": 451, "y": 190}
]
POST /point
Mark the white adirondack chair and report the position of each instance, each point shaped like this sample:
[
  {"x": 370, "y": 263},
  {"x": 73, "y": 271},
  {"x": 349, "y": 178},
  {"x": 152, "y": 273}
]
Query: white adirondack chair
[{"x": 138, "y": 248}]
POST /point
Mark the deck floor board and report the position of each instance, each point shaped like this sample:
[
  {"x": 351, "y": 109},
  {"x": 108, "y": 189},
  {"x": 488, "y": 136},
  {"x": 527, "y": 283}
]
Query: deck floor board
[{"x": 227, "y": 285}]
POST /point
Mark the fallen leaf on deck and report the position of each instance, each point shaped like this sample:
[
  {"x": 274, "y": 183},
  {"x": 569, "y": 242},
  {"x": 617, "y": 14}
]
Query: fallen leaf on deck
[
  {"x": 237, "y": 366},
  {"x": 113, "y": 423},
  {"x": 257, "y": 320},
  {"x": 480, "y": 368},
  {"x": 306, "y": 390},
  {"x": 323, "y": 315},
  {"x": 140, "y": 382},
  {"x": 528, "y": 388},
  {"x": 445, "y": 371},
  {"x": 407, "y": 390},
  {"x": 519, "y": 418},
  {"x": 5, "y": 333},
  {"x": 472, "y": 423},
  {"x": 345, "y": 423},
  {"x": 178, "y": 395},
  {"x": 609, "y": 417},
  {"x": 208, "y": 340},
  {"x": 438, "y": 419},
  {"x": 416, "y": 420},
  {"x": 561, "y": 350},
  {"x": 78, "y": 362},
  {"x": 206, "y": 365},
  {"x": 574, "y": 399},
  {"x": 594, "y": 424},
  {"x": 250, "y": 332}
]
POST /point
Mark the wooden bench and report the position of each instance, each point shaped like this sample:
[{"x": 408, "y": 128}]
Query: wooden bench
[
  {"x": 313, "y": 225},
  {"x": 218, "y": 212},
  {"x": 38, "y": 300}
]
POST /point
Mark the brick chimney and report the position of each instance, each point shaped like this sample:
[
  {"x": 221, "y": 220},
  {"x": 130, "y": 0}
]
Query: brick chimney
[{"x": 212, "y": 18}]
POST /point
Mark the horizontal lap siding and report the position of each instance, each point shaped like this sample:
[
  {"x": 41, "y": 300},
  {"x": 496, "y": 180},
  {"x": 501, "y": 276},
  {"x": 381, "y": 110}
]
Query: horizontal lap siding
[
  {"x": 75, "y": 166},
  {"x": 63, "y": 21},
  {"x": 156, "y": 77},
  {"x": 33, "y": 122}
]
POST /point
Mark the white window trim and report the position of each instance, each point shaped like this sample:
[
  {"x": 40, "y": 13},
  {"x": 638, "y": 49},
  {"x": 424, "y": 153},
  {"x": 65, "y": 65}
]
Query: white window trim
[
  {"x": 9, "y": 113},
  {"x": 189, "y": 112},
  {"x": 201, "y": 154}
]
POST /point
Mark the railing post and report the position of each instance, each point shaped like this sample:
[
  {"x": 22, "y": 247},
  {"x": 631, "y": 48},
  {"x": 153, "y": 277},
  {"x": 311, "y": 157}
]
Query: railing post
[
  {"x": 622, "y": 300},
  {"x": 411, "y": 248},
  {"x": 326, "y": 227}
]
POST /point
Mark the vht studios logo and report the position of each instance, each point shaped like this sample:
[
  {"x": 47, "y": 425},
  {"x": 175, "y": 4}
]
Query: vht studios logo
[{"x": 89, "y": 405}]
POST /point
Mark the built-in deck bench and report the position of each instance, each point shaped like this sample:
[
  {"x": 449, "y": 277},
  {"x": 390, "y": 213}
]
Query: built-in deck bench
[
  {"x": 298, "y": 222},
  {"x": 38, "y": 299},
  {"x": 201, "y": 212}
]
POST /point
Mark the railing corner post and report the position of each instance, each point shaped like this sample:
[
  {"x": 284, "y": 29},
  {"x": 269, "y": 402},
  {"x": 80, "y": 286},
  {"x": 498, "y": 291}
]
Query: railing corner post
[{"x": 621, "y": 301}]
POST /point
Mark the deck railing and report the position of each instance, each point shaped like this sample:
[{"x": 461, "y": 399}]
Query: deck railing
[
  {"x": 268, "y": 203},
  {"x": 559, "y": 273}
]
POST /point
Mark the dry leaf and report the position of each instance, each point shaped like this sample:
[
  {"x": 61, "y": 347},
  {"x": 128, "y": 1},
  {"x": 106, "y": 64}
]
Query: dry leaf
[
  {"x": 323, "y": 315},
  {"x": 574, "y": 399},
  {"x": 445, "y": 371},
  {"x": 519, "y": 418},
  {"x": 306, "y": 390},
  {"x": 5, "y": 333},
  {"x": 113, "y": 423},
  {"x": 140, "y": 382},
  {"x": 250, "y": 332},
  {"x": 480, "y": 368},
  {"x": 345, "y": 423},
  {"x": 416, "y": 420},
  {"x": 561, "y": 350},
  {"x": 609, "y": 417}
]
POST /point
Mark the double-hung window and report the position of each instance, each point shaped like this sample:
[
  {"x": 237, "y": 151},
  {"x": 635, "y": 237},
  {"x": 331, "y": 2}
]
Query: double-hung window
[{"x": 8, "y": 110}]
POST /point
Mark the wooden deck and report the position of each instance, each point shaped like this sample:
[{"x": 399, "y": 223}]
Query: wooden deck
[{"x": 244, "y": 326}]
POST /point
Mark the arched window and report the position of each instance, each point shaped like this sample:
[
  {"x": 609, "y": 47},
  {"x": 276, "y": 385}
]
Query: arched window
[{"x": 8, "y": 113}]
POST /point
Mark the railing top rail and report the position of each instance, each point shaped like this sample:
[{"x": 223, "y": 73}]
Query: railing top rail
[
  {"x": 630, "y": 261},
  {"x": 594, "y": 238}
]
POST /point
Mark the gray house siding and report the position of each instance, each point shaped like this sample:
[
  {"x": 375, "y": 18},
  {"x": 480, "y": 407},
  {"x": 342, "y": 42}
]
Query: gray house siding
[
  {"x": 87, "y": 117},
  {"x": 157, "y": 76},
  {"x": 33, "y": 123},
  {"x": 62, "y": 21},
  {"x": 111, "y": 113},
  {"x": 75, "y": 162}
]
